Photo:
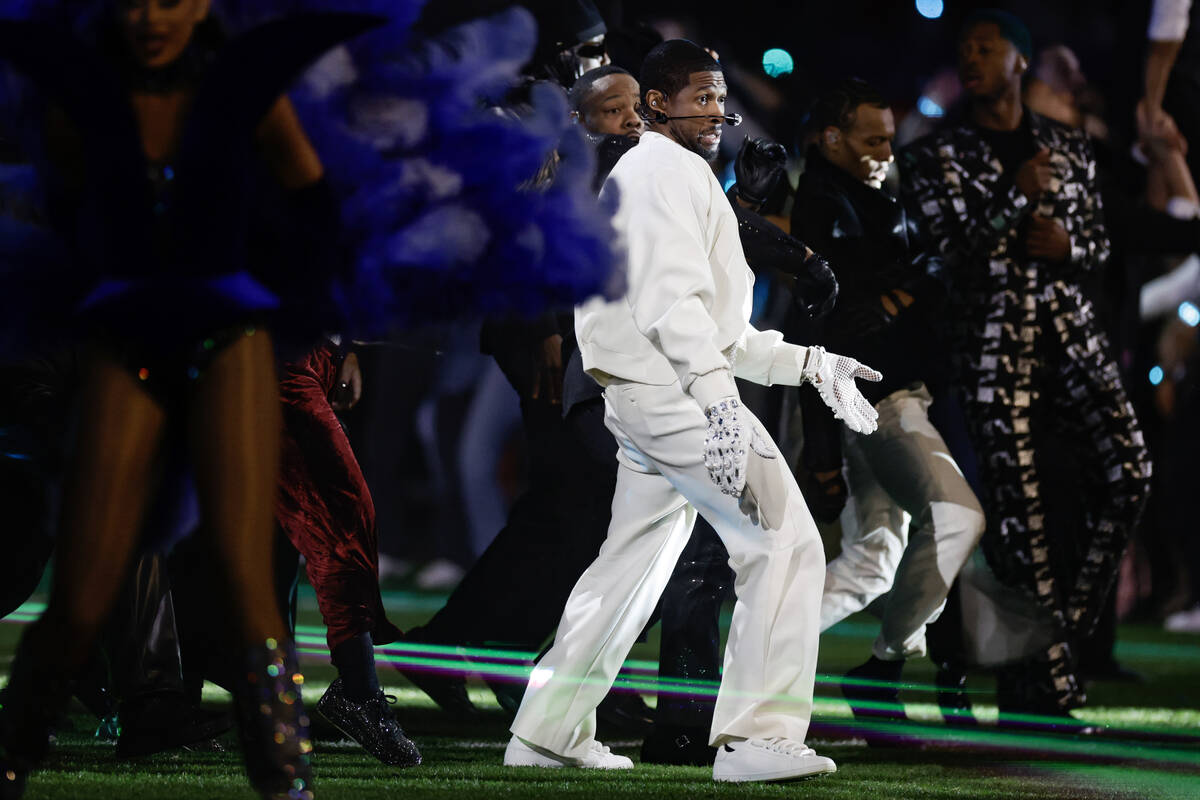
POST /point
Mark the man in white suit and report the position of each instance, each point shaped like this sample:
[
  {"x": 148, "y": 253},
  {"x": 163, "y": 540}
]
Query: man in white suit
[{"x": 667, "y": 354}]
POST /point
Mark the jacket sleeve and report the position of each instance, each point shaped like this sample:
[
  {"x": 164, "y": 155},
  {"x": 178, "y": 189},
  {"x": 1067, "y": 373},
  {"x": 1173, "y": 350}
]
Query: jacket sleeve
[
  {"x": 763, "y": 357},
  {"x": 959, "y": 233},
  {"x": 670, "y": 281},
  {"x": 1089, "y": 240}
]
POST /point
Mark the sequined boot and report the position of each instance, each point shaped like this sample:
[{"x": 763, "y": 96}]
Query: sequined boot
[{"x": 272, "y": 723}]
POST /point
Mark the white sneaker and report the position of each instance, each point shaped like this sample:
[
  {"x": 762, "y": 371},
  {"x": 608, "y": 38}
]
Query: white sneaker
[
  {"x": 520, "y": 753},
  {"x": 775, "y": 759},
  {"x": 1186, "y": 621}
]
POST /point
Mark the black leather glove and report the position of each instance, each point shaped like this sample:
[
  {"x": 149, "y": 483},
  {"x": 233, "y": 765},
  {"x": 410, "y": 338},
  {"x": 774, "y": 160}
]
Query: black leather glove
[
  {"x": 759, "y": 166},
  {"x": 867, "y": 318},
  {"x": 816, "y": 286}
]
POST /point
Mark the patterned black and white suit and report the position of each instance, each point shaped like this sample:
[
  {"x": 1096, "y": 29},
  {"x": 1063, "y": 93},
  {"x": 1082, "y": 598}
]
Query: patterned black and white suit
[{"x": 1029, "y": 357}]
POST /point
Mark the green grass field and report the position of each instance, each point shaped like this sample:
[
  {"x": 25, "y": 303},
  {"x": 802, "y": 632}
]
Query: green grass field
[{"x": 463, "y": 760}]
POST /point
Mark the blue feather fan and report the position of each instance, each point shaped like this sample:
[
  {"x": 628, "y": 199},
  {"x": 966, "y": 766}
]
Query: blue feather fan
[{"x": 440, "y": 214}]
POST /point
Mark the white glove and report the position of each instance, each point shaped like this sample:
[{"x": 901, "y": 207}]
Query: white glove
[
  {"x": 834, "y": 375},
  {"x": 729, "y": 442}
]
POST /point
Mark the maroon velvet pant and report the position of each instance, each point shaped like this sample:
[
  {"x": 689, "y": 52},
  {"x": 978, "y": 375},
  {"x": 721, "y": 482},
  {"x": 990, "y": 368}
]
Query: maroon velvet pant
[{"x": 325, "y": 507}]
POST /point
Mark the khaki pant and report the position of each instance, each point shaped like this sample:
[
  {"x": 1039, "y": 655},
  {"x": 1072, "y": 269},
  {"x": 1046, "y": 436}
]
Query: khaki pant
[{"x": 903, "y": 469}]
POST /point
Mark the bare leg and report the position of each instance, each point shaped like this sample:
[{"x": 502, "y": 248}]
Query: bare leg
[
  {"x": 234, "y": 432},
  {"x": 107, "y": 486}
]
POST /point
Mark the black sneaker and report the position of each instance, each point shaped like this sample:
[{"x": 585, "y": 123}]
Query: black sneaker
[
  {"x": 371, "y": 724},
  {"x": 448, "y": 691},
  {"x": 627, "y": 712},
  {"x": 683, "y": 747},
  {"x": 952, "y": 698},
  {"x": 872, "y": 689}
]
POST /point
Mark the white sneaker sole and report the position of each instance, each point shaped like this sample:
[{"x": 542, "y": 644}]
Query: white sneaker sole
[
  {"x": 518, "y": 754},
  {"x": 792, "y": 774}
]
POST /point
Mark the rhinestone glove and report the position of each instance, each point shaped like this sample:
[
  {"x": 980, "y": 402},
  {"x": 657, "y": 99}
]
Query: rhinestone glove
[
  {"x": 728, "y": 443},
  {"x": 834, "y": 375}
]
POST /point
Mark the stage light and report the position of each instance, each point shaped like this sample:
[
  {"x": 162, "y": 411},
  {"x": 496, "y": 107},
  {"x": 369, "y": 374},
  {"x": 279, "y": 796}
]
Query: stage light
[
  {"x": 1189, "y": 314},
  {"x": 1156, "y": 375},
  {"x": 928, "y": 108},
  {"x": 930, "y": 9},
  {"x": 777, "y": 62}
]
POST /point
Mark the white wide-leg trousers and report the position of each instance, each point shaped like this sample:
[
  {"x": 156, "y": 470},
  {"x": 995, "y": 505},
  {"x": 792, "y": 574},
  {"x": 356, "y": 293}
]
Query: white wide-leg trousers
[{"x": 771, "y": 654}]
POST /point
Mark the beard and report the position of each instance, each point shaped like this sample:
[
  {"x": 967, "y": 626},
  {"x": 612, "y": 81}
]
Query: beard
[{"x": 705, "y": 151}]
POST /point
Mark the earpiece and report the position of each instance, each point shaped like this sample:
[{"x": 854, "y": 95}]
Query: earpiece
[{"x": 831, "y": 137}]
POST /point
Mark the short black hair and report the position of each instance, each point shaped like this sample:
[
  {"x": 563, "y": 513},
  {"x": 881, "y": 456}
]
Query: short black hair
[
  {"x": 583, "y": 86},
  {"x": 1010, "y": 25},
  {"x": 835, "y": 106},
  {"x": 669, "y": 66}
]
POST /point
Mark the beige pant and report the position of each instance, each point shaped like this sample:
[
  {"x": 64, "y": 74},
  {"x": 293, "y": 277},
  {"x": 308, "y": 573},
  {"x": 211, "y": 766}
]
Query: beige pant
[
  {"x": 901, "y": 470},
  {"x": 771, "y": 654}
]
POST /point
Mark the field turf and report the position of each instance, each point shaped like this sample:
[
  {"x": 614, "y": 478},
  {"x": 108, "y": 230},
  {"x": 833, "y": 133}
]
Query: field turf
[{"x": 463, "y": 759}]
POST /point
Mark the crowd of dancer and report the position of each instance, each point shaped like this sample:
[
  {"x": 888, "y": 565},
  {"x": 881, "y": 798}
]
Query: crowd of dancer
[{"x": 970, "y": 422}]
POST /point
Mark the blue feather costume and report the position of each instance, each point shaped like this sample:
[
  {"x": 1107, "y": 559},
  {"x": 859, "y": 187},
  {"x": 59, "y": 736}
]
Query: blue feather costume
[{"x": 433, "y": 222}]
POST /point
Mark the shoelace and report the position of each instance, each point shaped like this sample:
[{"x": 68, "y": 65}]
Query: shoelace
[
  {"x": 601, "y": 749},
  {"x": 787, "y": 747}
]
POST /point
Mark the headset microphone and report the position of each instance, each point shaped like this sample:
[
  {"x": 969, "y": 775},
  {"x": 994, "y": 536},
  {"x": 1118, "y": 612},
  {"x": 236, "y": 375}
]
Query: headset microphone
[{"x": 732, "y": 120}]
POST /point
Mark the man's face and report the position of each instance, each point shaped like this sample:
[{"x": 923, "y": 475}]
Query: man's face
[
  {"x": 865, "y": 149},
  {"x": 158, "y": 31},
  {"x": 988, "y": 64},
  {"x": 611, "y": 107},
  {"x": 704, "y": 95}
]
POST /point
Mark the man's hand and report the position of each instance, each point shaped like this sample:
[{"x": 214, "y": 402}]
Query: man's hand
[
  {"x": 1035, "y": 176},
  {"x": 548, "y": 370},
  {"x": 1047, "y": 240},
  {"x": 347, "y": 391},
  {"x": 817, "y": 288},
  {"x": 834, "y": 375},
  {"x": 759, "y": 166},
  {"x": 869, "y": 319},
  {"x": 1157, "y": 132}
]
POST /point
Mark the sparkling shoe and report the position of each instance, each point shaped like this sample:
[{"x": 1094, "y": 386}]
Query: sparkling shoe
[
  {"x": 519, "y": 753},
  {"x": 774, "y": 759},
  {"x": 272, "y": 724},
  {"x": 370, "y": 723}
]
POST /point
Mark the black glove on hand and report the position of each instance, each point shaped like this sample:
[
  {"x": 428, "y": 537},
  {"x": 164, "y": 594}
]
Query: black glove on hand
[
  {"x": 816, "y": 287},
  {"x": 759, "y": 166},
  {"x": 868, "y": 318}
]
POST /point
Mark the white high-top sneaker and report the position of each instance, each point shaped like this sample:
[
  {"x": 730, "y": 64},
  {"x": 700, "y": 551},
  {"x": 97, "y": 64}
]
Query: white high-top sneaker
[
  {"x": 775, "y": 759},
  {"x": 520, "y": 753}
]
